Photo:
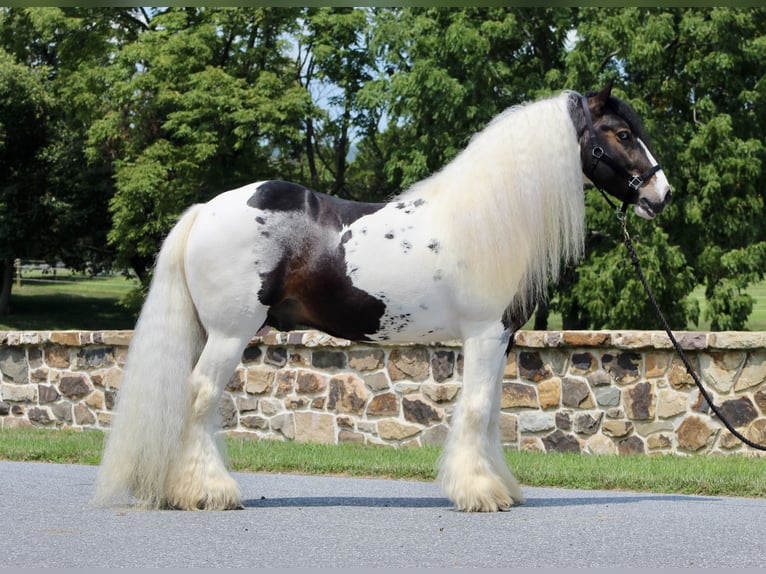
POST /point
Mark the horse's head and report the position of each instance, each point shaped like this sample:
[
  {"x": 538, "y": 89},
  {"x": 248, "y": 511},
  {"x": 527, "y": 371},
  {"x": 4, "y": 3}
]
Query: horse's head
[{"x": 615, "y": 154}]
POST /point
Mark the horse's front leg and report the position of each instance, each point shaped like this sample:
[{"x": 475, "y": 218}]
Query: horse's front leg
[{"x": 472, "y": 469}]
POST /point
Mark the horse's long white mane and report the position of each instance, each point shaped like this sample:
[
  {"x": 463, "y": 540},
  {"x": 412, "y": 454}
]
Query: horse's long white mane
[{"x": 513, "y": 203}]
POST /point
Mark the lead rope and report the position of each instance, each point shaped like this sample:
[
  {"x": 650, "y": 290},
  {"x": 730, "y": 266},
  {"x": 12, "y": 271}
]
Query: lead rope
[{"x": 631, "y": 250}]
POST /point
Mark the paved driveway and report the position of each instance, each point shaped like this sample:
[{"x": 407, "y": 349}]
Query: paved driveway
[{"x": 303, "y": 521}]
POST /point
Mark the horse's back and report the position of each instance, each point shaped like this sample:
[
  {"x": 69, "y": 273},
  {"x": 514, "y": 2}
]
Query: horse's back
[{"x": 283, "y": 196}]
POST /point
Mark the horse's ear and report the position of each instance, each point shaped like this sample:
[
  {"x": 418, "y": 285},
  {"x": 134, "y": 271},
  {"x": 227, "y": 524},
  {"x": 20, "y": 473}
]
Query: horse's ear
[{"x": 600, "y": 99}]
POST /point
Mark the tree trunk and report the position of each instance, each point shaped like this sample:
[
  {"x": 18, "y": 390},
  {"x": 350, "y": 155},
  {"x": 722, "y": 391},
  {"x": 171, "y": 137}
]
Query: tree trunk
[
  {"x": 141, "y": 266},
  {"x": 313, "y": 173},
  {"x": 6, "y": 283},
  {"x": 541, "y": 316},
  {"x": 341, "y": 151}
]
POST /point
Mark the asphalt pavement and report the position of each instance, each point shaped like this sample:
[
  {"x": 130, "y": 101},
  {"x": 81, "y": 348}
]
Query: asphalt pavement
[{"x": 308, "y": 521}]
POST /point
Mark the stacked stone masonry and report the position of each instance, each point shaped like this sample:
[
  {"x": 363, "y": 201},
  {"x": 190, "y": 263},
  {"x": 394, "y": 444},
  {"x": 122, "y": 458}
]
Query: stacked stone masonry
[{"x": 601, "y": 392}]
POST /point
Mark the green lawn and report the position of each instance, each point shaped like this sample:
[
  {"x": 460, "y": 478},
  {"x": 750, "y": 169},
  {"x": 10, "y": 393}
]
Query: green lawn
[
  {"x": 69, "y": 301},
  {"x": 713, "y": 476},
  {"x": 757, "y": 319}
]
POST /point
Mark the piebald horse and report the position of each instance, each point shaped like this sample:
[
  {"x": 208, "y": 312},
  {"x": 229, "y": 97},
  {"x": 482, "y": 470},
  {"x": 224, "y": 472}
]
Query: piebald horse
[{"x": 462, "y": 255}]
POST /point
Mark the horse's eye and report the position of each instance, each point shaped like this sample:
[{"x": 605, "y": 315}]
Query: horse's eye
[{"x": 624, "y": 135}]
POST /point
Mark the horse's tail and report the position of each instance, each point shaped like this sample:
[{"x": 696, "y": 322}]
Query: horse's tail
[{"x": 153, "y": 403}]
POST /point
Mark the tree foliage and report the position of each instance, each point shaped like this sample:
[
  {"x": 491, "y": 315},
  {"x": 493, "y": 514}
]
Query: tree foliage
[
  {"x": 133, "y": 114},
  {"x": 448, "y": 72},
  {"x": 204, "y": 100}
]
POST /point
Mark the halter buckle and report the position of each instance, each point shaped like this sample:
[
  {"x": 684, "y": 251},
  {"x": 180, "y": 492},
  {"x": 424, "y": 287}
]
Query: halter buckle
[
  {"x": 598, "y": 152},
  {"x": 635, "y": 182}
]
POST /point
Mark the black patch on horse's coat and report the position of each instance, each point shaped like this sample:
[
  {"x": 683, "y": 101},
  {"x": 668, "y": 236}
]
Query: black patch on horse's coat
[
  {"x": 309, "y": 285},
  {"x": 260, "y": 220},
  {"x": 396, "y": 323},
  {"x": 325, "y": 209},
  {"x": 406, "y": 245},
  {"x": 389, "y": 235},
  {"x": 514, "y": 318},
  {"x": 279, "y": 196},
  {"x": 434, "y": 246},
  {"x": 409, "y": 206}
]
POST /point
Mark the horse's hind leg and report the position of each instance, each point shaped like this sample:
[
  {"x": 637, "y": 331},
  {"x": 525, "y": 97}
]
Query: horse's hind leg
[
  {"x": 473, "y": 471},
  {"x": 200, "y": 480}
]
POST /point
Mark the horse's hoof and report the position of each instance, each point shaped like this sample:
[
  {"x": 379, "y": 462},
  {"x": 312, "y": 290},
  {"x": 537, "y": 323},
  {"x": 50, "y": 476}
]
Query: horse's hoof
[
  {"x": 217, "y": 505},
  {"x": 484, "y": 504},
  {"x": 205, "y": 503}
]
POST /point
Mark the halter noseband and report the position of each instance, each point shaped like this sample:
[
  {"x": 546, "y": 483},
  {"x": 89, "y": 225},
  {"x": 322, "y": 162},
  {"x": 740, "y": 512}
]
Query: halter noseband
[{"x": 635, "y": 182}]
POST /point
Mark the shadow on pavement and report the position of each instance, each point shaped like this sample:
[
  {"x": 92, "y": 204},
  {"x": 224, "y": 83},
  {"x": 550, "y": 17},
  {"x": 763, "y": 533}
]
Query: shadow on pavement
[
  {"x": 359, "y": 501},
  {"x": 427, "y": 502},
  {"x": 604, "y": 500}
]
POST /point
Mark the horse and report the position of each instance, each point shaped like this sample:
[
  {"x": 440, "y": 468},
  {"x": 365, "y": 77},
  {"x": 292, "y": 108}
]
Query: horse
[{"x": 464, "y": 254}]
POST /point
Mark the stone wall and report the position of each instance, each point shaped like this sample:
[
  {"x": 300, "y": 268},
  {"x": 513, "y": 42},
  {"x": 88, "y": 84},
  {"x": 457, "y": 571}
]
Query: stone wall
[{"x": 602, "y": 392}]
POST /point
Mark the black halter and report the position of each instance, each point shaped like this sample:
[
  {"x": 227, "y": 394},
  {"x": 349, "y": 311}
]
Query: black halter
[{"x": 635, "y": 182}]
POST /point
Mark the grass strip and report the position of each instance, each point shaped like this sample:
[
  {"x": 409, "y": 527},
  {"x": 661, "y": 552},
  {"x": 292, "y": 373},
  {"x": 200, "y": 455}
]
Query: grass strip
[
  {"x": 57, "y": 446},
  {"x": 340, "y": 460},
  {"x": 733, "y": 475}
]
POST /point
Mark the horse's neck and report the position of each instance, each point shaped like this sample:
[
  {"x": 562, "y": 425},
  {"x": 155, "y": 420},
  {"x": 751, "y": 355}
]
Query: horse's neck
[{"x": 511, "y": 204}]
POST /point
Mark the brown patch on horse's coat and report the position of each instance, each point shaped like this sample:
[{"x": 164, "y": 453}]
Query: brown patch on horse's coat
[{"x": 309, "y": 286}]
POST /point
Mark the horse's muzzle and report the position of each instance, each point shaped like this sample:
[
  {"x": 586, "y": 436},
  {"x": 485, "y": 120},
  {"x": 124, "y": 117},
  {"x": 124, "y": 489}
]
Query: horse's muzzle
[{"x": 650, "y": 209}]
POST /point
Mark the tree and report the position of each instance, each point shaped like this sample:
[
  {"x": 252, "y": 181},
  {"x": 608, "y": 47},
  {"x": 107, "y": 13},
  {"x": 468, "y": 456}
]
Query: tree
[
  {"x": 25, "y": 131},
  {"x": 335, "y": 66},
  {"x": 202, "y": 101},
  {"x": 62, "y": 52}
]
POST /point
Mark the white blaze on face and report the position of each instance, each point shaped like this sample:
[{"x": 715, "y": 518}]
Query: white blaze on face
[{"x": 652, "y": 195}]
